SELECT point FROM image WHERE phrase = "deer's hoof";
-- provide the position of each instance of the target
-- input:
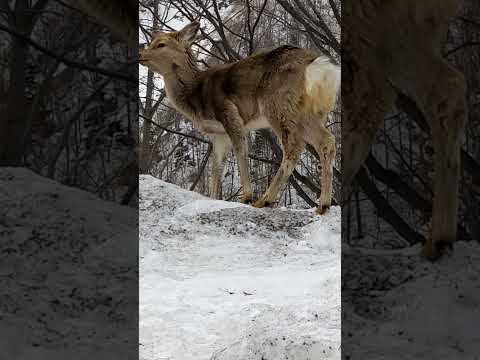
(433, 251)
(323, 209)
(247, 199)
(260, 203)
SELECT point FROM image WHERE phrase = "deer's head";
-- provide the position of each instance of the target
(168, 52)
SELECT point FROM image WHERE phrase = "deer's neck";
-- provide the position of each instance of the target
(179, 85)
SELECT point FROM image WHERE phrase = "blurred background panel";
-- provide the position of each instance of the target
(68, 88)
(68, 179)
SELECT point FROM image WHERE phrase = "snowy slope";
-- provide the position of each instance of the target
(225, 281)
(398, 306)
(67, 285)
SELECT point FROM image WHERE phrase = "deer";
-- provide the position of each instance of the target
(392, 48)
(289, 90)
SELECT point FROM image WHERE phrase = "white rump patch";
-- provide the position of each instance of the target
(322, 73)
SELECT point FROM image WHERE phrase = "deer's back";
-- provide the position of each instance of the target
(265, 75)
(384, 22)
(389, 38)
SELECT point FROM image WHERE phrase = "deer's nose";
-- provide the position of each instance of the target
(141, 56)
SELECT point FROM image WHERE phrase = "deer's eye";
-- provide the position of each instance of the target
(160, 45)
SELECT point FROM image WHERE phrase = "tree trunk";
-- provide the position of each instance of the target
(149, 110)
(13, 123)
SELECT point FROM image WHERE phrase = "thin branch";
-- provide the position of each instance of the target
(459, 47)
(173, 131)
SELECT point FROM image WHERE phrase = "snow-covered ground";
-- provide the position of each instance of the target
(225, 281)
(219, 281)
(68, 274)
(396, 305)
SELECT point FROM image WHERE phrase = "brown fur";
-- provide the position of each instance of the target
(393, 46)
(265, 90)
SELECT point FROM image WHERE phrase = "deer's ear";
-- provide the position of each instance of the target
(189, 32)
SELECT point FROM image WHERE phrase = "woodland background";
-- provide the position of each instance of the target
(171, 149)
(391, 204)
(70, 99)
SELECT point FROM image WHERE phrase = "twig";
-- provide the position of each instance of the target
(173, 131)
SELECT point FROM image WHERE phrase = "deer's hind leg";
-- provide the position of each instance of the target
(442, 99)
(317, 135)
(291, 139)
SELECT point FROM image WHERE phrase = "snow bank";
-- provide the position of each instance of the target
(225, 281)
(397, 305)
(50, 308)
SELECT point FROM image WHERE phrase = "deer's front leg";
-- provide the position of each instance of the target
(324, 143)
(233, 124)
(292, 146)
(221, 146)
(442, 100)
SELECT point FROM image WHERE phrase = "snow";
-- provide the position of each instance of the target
(67, 284)
(218, 281)
(397, 305)
(225, 281)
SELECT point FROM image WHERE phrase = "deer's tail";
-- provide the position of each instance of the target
(322, 84)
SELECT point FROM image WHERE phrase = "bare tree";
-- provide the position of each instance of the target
(70, 106)
(231, 30)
